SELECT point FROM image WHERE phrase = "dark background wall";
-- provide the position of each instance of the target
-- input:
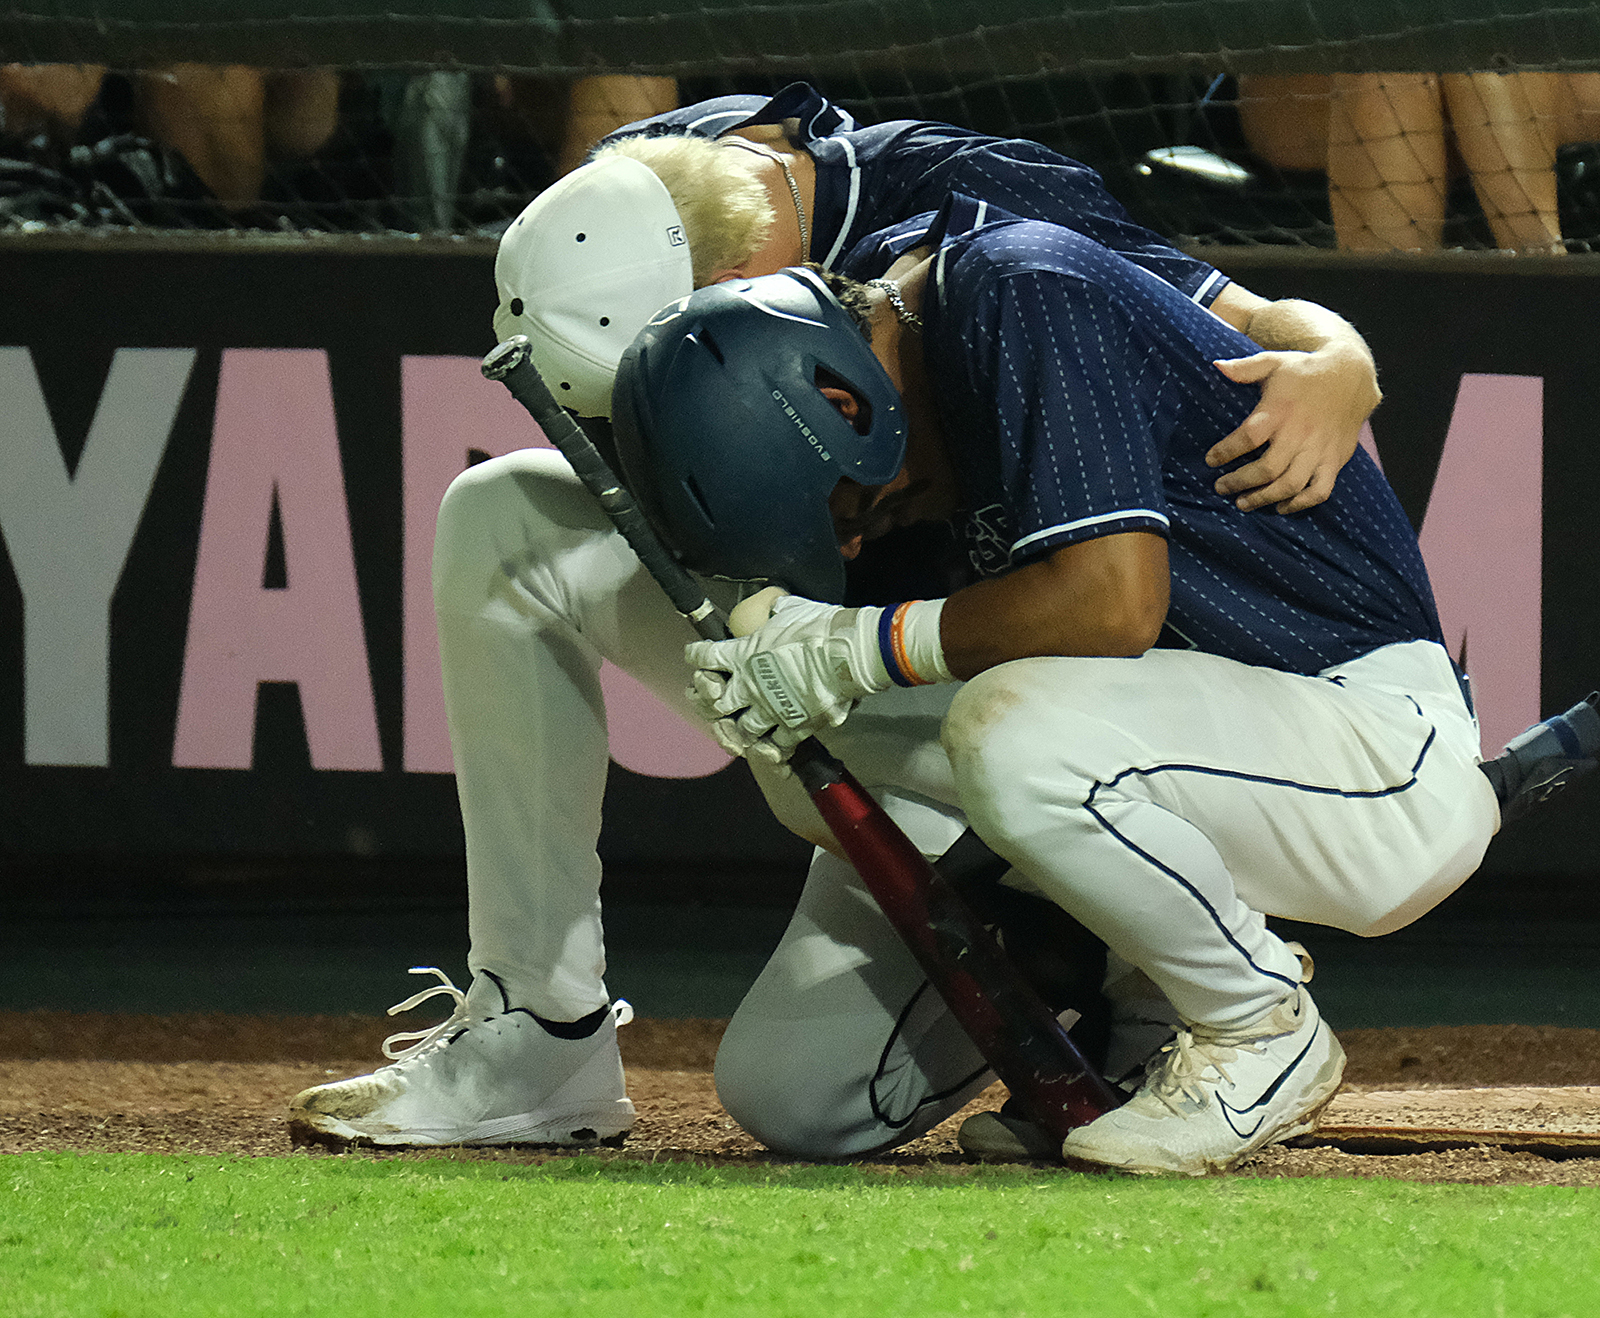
(138, 885)
(72, 311)
(138, 815)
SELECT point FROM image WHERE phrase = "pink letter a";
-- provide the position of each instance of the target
(1481, 537)
(275, 434)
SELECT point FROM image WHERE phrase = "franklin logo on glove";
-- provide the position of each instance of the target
(802, 669)
(768, 673)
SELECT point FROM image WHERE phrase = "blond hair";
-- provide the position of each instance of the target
(726, 212)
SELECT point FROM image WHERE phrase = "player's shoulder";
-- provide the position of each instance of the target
(973, 145)
(1033, 272)
(1012, 247)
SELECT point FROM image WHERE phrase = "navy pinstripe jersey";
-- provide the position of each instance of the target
(1078, 397)
(870, 178)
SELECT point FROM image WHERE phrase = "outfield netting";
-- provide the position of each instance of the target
(1366, 123)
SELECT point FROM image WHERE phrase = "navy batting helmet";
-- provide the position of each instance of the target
(729, 445)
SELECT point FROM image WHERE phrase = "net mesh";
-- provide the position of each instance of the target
(1215, 121)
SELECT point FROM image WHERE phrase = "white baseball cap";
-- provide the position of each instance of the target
(582, 269)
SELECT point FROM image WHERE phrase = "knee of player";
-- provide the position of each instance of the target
(770, 1091)
(980, 711)
(469, 497)
(491, 505)
(991, 732)
(461, 537)
(474, 492)
(1022, 737)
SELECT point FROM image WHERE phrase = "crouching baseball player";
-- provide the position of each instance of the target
(533, 588)
(1174, 717)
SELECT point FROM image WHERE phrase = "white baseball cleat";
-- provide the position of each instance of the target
(1218, 1095)
(490, 1074)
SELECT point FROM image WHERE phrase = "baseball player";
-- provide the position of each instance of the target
(533, 588)
(1173, 717)
(593, 256)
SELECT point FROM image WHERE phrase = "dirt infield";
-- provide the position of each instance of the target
(1486, 1104)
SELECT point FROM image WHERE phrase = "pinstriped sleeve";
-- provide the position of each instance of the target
(1076, 402)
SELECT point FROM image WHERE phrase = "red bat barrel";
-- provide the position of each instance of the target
(1011, 1025)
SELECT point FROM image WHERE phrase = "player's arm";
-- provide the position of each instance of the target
(799, 669)
(1316, 374)
(1106, 596)
(1318, 385)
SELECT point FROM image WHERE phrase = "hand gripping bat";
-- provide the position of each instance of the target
(1012, 1027)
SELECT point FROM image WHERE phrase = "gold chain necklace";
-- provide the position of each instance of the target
(788, 177)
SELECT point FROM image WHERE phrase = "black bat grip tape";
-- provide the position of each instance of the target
(512, 364)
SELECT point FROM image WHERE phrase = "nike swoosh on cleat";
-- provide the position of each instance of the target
(1230, 1112)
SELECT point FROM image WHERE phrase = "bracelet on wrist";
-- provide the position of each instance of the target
(908, 643)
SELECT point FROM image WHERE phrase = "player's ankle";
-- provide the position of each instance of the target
(582, 1028)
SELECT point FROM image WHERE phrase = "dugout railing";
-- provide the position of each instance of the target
(717, 37)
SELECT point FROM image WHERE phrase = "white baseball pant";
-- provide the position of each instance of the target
(1167, 802)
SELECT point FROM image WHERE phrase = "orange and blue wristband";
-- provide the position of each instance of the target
(892, 646)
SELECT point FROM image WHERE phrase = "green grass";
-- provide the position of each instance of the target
(101, 1235)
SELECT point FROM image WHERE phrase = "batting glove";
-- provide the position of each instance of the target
(805, 669)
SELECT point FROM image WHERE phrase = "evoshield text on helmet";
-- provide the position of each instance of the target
(727, 441)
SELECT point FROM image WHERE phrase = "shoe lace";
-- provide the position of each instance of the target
(1179, 1071)
(422, 1040)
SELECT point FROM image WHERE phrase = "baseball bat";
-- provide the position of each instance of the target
(1009, 1023)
